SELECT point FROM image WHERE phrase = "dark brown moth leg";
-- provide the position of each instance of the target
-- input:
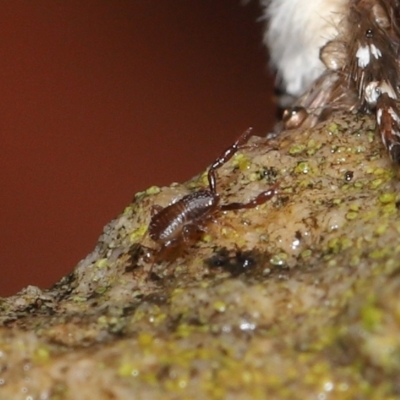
(388, 120)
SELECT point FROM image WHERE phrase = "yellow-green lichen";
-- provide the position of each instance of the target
(359, 149)
(302, 168)
(145, 339)
(378, 253)
(101, 289)
(386, 198)
(297, 149)
(79, 299)
(102, 263)
(279, 259)
(153, 190)
(358, 185)
(255, 176)
(306, 253)
(41, 355)
(219, 306)
(138, 234)
(352, 215)
(371, 316)
(241, 161)
(333, 128)
(338, 244)
(128, 369)
(376, 183)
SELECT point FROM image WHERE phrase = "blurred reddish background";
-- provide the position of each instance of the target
(101, 99)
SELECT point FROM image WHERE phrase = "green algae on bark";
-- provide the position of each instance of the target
(294, 299)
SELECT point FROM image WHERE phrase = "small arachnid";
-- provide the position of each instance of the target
(337, 55)
(181, 222)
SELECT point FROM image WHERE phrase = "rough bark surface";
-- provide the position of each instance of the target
(297, 298)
